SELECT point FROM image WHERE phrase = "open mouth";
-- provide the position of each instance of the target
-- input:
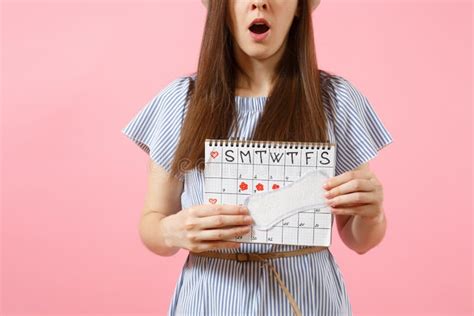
(259, 28)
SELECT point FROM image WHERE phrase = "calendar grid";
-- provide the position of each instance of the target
(236, 169)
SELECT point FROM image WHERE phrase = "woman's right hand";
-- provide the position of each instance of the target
(205, 227)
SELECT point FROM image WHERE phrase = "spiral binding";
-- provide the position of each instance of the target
(269, 144)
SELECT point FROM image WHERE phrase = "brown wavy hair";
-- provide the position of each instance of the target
(293, 110)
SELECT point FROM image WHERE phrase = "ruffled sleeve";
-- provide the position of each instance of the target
(156, 127)
(359, 132)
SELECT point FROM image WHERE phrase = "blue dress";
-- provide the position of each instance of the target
(211, 286)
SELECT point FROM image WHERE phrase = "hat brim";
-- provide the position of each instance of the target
(314, 3)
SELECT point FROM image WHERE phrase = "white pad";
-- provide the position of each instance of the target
(267, 208)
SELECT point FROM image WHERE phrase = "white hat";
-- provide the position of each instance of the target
(314, 3)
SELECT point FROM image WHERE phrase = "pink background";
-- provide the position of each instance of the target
(73, 73)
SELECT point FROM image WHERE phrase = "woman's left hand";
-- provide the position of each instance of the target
(355, 192)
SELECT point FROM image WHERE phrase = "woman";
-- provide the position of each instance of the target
(256, 79)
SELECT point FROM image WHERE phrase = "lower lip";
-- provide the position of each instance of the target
(259, 37)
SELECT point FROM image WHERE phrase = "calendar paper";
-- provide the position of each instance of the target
(250, 173)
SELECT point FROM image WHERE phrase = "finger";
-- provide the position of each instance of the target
(222, 234)
(345, 177)
(358, 198)
(345, 211)
(222, 221)
(355, 185)
(204, 210)
(364, 210)
(212, 245)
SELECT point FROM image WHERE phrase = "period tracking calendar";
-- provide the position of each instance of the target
(281, 184)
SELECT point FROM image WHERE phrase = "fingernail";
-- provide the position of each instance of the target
(327, 194)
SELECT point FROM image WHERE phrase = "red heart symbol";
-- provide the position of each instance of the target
(213, 201)
(214, 154)
(275, 186)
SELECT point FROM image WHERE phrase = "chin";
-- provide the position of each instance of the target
(261, 52)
